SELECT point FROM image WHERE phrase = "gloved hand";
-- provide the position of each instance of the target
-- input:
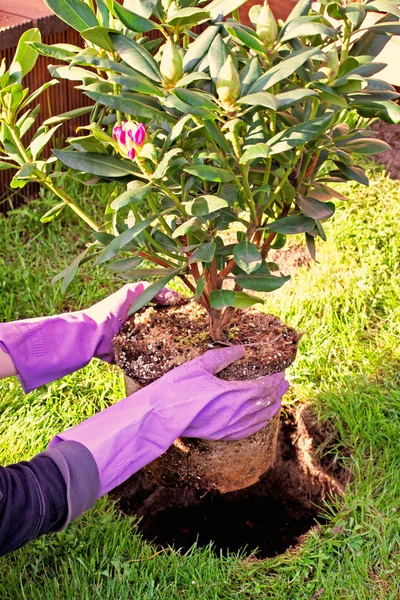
(48, 348)
(188, 401)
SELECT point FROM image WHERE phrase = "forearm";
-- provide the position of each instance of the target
(45, 494)
(7, 367)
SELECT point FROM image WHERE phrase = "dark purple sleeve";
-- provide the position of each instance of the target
(46, 493)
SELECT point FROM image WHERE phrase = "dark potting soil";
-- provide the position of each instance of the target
(270, 516)
(155, 340)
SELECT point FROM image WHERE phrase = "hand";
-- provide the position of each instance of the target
(188, 401)
(48, 348)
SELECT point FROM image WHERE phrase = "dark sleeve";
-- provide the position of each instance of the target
(46, 493)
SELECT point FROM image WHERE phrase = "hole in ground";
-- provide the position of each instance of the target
(272, 515)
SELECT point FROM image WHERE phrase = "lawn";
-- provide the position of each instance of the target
(347, 368)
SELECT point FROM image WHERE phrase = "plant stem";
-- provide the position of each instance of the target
(249, 197)
(63, 196)
(173, 197)
(346, 41)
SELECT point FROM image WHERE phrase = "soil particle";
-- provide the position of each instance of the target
(155, 340)
(271, 516)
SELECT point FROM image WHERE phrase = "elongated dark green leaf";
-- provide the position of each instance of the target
(190, 78)
(71, 114)
(204, 205)
(284, 69)
(5, 165)
(247, 256)
(245, 35)
(366, 146)
(119, 266)
(99, 36)
(188, 16)
(32, 97)
(291, 225)
(137, 192)
(221, 298)
(193, 98)
(384, 6)
(221, 8)
(96, 164)
(217, 55)
(165, 163)
(144, 8)
(307, 30)
(40, 141)
(310, 207)
(298, 134)
(201, 284)
(385, 28)
(210, 173)
(204, 253)
(52, 51)
(131, 104)
(355, 12)
(74, 12)
(123, 239)
(386, 110)
(329, 95)
(253, 152)
(25, 55)
(301, 9)
(260, 99)
(353, 173)
(137, 83)
(261, 280)
(71, 73)
(199, 48)
(148, 294)
(287, 99)
(144, 273)
(136, 56)
(370, 44)
(249, 75)
(133, 21)
(190, 225)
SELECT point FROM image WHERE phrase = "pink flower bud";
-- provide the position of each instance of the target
(140, 134)
(131, 153)
(115, 132)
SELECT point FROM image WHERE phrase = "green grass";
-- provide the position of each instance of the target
(347, 367)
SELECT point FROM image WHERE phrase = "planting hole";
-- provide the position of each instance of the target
(270, 516)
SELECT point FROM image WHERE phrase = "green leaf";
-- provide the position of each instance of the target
(204, 205)
(39, 142)
(137, 192)
(96, 164)
(99, 36)
(199, 48)
(355, 12)
(370, 44)
(210, 173)
(5, 165)
(301, 8)
(71, 73)
(204, 253)
(69, 272)
(130, 104)
(217, 55)
(136, 56)
(53, 212)
(24, 55)
(163, 165)
(261, 280)
(190, 78)
(366, 146)
(257, 151)
(384, 6)
(246, 36)
(385, 28)
(188, 17)
(148, 294)
(52, 51)
(221, 8)
(143, 273)
(190, 225)
(144, 8)
(221, 298)
(313, 208)
(260, 99)
(133, 21)
(247, 256)
(353, 173)
(119, 266)
(283, 69)
(137, 83)
(287, 99)
(193, 98)
(123, 239)
(298, 134)
(291, 225)
(74, 12)
(308, 30)
(201, 284)
(71, 114)
(329, 95)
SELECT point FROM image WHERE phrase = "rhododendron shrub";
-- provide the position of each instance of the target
(237, 128)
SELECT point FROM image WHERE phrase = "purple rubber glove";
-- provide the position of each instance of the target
(188, 401)
(48, 348)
